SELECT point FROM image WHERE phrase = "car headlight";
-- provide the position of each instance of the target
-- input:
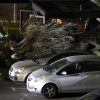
(43, 76)
(20, 70)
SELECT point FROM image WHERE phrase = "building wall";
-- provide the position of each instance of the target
(7, 10)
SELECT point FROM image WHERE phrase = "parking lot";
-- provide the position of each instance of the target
(17, 91)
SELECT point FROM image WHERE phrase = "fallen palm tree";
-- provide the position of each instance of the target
(45, 39)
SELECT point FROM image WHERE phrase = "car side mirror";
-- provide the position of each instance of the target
(64, 73)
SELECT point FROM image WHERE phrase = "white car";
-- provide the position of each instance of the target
(21, 69)
(72, 74)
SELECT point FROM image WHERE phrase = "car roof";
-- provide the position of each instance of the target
(66, 54)
(83, 58)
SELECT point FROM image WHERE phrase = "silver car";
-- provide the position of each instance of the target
(21, 69)
(70, 74)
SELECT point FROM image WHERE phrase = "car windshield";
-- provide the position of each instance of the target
(55, 65)
(41, 60)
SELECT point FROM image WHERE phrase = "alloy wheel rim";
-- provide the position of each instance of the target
(50, 91)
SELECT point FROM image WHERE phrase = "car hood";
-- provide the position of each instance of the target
(38, 72)
(23, 63)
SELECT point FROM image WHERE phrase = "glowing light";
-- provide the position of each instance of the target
(57, 21)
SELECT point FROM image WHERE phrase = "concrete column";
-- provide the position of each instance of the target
(14, 18)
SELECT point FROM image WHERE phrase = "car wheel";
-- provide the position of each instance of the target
(49, 91)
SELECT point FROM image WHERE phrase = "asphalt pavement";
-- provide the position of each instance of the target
(17, 91)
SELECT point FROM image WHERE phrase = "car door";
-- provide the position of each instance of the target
(71, 78)
(92, 71)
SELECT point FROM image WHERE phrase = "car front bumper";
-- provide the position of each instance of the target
(35, 87)
(12, 75)
(13, 78)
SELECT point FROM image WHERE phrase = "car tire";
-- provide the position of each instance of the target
(50, 91)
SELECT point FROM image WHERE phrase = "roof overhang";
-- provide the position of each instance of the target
(68, 8)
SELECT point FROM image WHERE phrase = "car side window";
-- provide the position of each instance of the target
(57, 57)
(62, 55)
(92, 66)
(71, 69)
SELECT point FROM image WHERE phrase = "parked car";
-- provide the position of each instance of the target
(21, 69)
(94, 95)
(72, 74)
